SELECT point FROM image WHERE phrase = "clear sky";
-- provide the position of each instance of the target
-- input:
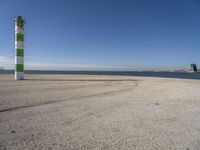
(103, 34)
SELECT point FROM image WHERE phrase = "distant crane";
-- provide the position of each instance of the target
(1, 68)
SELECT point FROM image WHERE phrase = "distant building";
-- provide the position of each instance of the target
(194, 67)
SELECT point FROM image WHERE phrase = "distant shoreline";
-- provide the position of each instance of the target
(164, 74)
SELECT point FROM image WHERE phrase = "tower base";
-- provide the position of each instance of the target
(19, 75)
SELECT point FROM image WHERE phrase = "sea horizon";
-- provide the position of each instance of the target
(163, 74)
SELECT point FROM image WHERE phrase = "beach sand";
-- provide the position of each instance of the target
(79, 112)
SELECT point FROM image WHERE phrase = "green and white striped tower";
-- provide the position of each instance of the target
(19, 48)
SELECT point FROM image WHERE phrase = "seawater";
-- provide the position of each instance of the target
(182, 75)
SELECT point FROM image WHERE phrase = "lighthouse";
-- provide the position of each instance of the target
(19, 48)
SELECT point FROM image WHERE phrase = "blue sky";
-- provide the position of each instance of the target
(103, 34)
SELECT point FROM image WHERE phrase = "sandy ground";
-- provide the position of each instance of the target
(74, 112)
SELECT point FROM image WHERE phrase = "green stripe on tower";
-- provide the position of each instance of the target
(19, 67)
(20, 22)
(19, 37)
(19, 52)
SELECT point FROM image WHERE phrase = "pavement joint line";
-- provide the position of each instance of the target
(53, 84)
(64, 100)
(76, 87)
(66, 81)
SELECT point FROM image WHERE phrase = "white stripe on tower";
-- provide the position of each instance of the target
(19, 44)
(19, 60)
(19, 48)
